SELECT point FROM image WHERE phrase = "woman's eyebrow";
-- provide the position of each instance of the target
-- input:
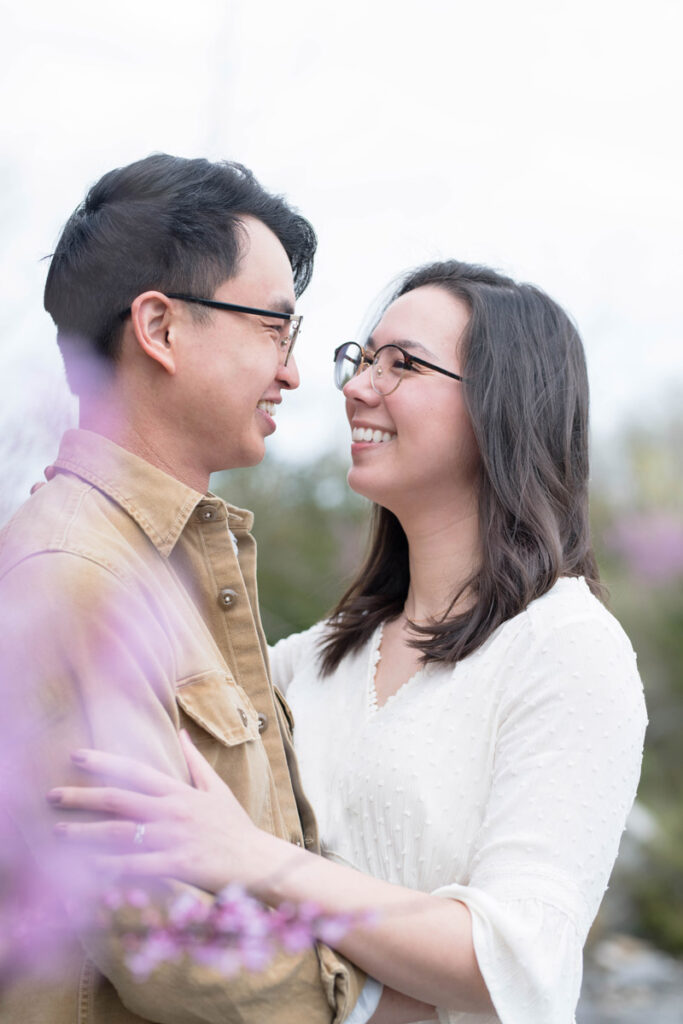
(406, 343)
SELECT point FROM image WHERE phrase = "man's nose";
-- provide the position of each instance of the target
(288, 374)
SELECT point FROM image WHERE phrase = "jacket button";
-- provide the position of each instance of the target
(206, 513)
(243, 716)
(308, 839)
(262, 721)
(226, 596)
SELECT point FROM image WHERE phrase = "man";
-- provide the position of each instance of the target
(127, 591)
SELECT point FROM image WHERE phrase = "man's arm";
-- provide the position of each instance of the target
(86, 663)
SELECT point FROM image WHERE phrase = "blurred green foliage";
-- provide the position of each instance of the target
(311, 530)
(658, 889)
(638, 530)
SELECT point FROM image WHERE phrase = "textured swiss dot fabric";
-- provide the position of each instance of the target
(503, 782)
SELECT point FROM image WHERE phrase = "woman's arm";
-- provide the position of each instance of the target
(396, 1008)
(568, 747)
(287, 654)
(420, 945)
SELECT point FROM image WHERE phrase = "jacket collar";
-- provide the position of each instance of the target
(159, 504)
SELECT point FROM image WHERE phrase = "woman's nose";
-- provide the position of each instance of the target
(360, 387)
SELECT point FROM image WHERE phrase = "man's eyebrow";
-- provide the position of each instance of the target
(280, 305)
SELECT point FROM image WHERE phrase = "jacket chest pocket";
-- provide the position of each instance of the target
(223, 725)
(213, 701)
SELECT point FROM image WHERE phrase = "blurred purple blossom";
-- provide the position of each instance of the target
(41, 913)
(651, 545)
(49, 891)
(233, 932)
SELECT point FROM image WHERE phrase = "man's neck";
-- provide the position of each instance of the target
(143, 439)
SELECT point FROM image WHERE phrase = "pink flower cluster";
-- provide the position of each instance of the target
(230, 933)
(650, 544)
(40, 913)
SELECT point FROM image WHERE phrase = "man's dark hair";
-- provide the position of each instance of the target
(164, 223)
(526, 392)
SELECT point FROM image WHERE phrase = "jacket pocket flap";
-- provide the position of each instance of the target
(212, 701)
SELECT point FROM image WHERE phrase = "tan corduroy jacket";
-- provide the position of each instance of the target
(128, 612)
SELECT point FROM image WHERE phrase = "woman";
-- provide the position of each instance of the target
(470, 718)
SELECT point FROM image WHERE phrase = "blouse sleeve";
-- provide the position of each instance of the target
(289, 654)
(566, 766)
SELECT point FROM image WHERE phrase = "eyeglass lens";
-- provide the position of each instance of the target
(287, 342)
(386, 369)
(347, 360)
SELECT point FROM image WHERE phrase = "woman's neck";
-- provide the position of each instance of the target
(443, 554)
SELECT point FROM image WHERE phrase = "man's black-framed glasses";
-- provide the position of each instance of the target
(387, 366)
(287, 341)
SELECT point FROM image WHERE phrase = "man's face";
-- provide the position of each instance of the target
(230, 368)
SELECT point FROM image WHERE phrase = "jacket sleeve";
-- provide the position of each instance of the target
(84, 661)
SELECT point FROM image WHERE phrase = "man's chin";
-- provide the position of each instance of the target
(243, 459)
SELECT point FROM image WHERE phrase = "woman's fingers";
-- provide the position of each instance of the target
(118, 839)
(140, 864)
(121, 848)
(152, 823)
(114, 835)
(120, 802)
(126, 772)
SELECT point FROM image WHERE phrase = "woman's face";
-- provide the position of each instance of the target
(425, 454)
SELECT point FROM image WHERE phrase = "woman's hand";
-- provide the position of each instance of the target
(158, 825)
(48, 472)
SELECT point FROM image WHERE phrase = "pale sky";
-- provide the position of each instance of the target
(540, 137)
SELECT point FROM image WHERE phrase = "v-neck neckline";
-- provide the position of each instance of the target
(374, 658)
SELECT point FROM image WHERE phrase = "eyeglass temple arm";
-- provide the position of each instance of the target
(231, 306)
(431, 366)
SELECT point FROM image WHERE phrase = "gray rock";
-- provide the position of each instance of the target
(627, 981)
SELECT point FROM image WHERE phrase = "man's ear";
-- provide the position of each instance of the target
(151, 316)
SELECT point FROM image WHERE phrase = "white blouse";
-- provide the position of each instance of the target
(503, 782)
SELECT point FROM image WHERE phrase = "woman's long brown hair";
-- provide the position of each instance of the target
(526, 392)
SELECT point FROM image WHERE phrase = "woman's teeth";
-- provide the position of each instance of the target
(268, 407)
(367, 434)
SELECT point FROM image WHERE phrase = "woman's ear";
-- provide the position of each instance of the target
(151, 316)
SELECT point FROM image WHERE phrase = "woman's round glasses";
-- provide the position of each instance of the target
(387, 366)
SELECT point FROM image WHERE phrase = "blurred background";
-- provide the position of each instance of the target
(542, 138)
